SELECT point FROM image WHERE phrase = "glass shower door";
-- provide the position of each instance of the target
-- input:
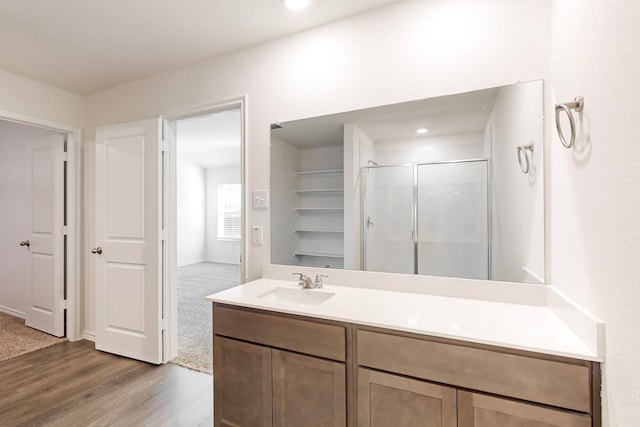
(453, 222)
(388, 219)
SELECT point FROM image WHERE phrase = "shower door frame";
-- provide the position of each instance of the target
(414, 210)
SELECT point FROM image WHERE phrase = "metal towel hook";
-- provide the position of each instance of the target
(577, 105)
(523, 157)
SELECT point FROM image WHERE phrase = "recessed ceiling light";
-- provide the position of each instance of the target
(422, 130)
(296, 4)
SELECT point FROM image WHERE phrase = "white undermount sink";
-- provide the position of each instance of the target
(299, 296)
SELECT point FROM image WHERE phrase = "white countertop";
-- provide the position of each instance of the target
(532, 327)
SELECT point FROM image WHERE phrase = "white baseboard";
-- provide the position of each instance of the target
(90, 336)
(222, 261)
(191, 262)
(12, 312)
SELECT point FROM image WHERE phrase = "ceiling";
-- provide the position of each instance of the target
(445, 115)
(85, 46)
(213, 140)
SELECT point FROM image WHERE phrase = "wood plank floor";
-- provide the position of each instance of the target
(72, 384)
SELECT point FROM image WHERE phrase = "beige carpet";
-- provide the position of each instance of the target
(17, 339)
(195, 337)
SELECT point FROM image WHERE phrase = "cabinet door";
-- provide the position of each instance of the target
(308, 391)
(242, 387)
(391, 400)
(478, 410)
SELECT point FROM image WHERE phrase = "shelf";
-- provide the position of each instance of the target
(318, 254)
(315, 230)
(324, 190)
(319, 172)
(328, 210)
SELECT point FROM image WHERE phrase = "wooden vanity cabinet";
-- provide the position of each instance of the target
(426, 377)
(272, 369)
(278, 370)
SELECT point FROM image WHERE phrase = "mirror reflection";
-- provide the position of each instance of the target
(432, 187)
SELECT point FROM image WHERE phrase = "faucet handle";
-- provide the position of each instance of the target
(318, 281)
(303, 280)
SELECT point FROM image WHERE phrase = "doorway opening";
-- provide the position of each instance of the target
(208, 225)
(38, 223)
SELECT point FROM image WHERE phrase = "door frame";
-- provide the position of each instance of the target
(170, 292)
(73, 303)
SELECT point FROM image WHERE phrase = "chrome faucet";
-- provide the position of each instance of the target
(304, 281)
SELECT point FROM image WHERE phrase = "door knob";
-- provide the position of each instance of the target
(97, 250)
(25, 243)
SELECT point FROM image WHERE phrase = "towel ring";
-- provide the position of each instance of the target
(577, 105)
(523, 157)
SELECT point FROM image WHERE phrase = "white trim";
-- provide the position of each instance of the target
(12, 312)
(170, 275)
(212, 260)
(191, 262)
(37, 122)
(74, 258)
(89, 336)
(221, 261)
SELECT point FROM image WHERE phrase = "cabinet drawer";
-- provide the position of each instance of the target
(552, 382)
(308, 337)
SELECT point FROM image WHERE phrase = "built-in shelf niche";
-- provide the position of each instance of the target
(319, 228)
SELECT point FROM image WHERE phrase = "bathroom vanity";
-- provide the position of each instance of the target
(371, 356)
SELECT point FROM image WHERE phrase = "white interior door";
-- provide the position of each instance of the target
(128, 256)
(45, 310)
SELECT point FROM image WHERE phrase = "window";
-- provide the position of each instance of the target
(229, 210)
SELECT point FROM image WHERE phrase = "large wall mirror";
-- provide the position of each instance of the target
(448, 186)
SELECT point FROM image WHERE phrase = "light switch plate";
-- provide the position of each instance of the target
(260, 199)
(256, 234)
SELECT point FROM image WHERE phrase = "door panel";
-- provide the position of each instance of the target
(308, 391)
(128, 211)
(388, 219)
(242, 387)
(45, 309)
(386, 400)
(453, 221)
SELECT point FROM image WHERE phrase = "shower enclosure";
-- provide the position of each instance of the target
(427, 218)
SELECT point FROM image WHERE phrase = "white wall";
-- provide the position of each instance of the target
(431, 149)
(409, 50)
(358, 150)
(285, 160)
(24, 96)
(191, 205)
(15, 203)
(593, 193)
(14, 226)
(517, 198)
(224, 251)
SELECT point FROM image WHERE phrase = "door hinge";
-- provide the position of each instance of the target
(64, 230)
(65, 304)
(65, 156)
(164, 324)
(163, 235)
(164, 145)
